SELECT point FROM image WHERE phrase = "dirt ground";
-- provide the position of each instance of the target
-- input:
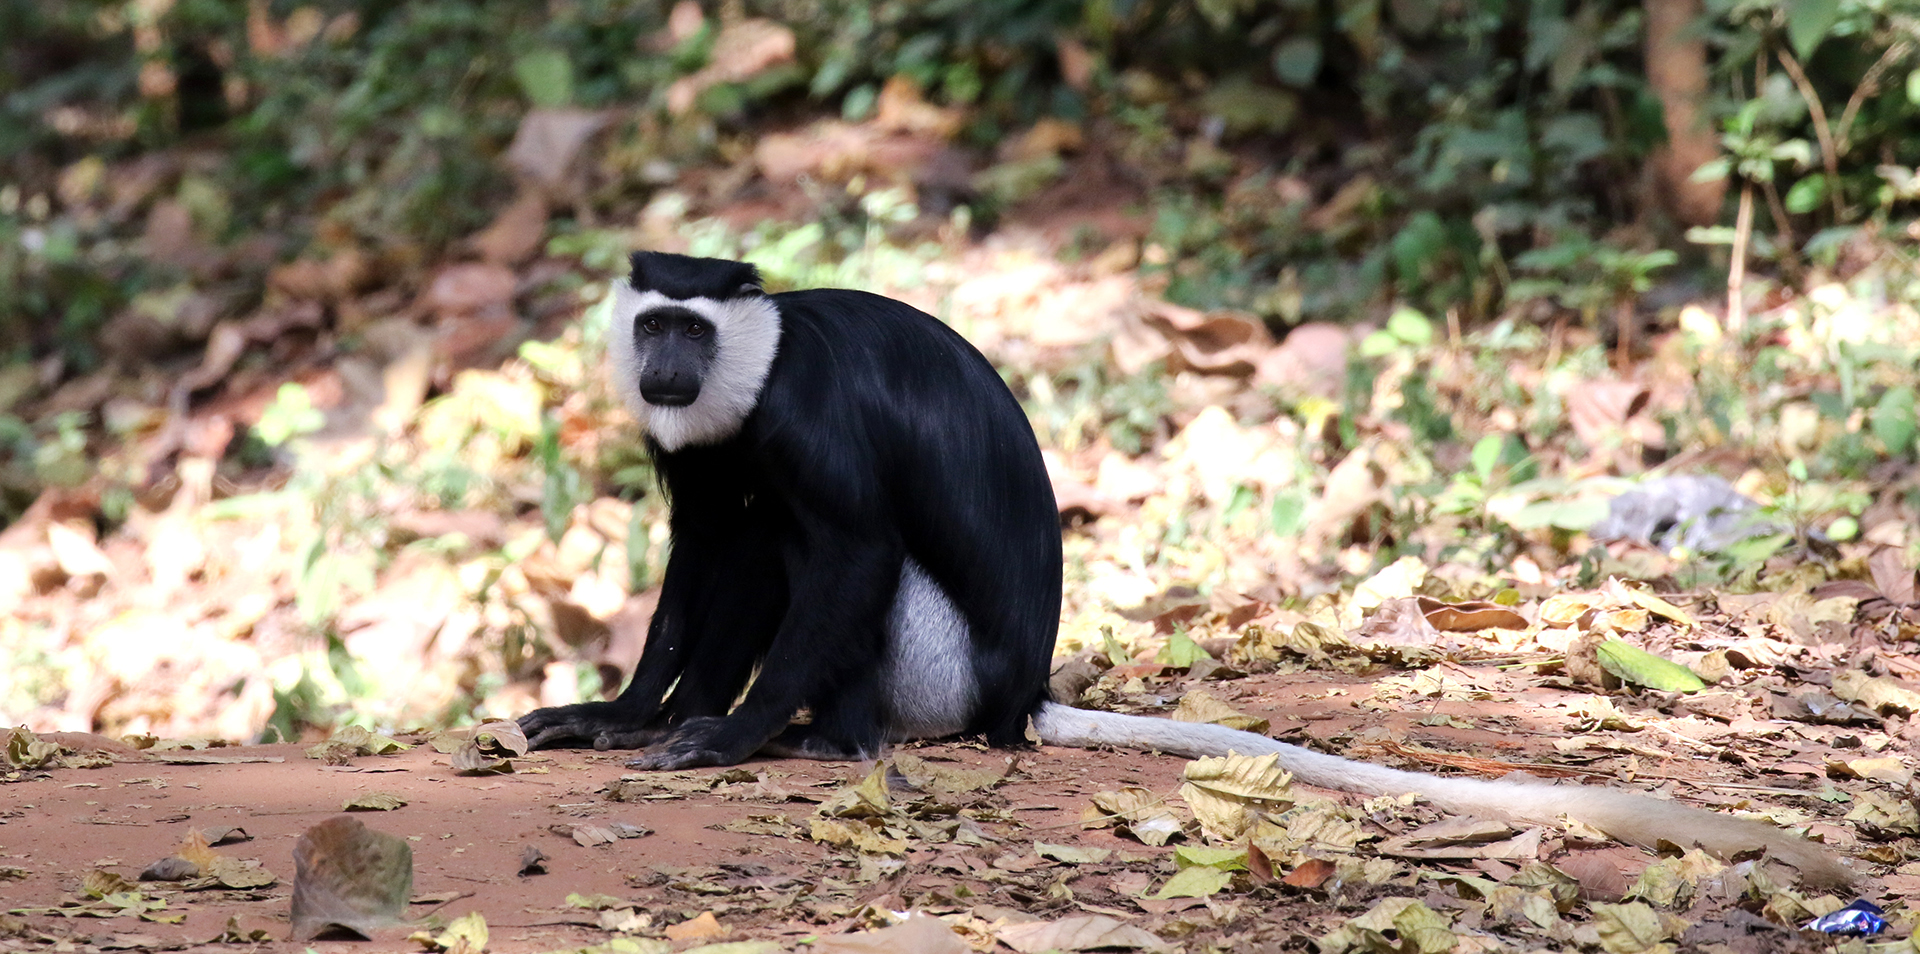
(468, 836)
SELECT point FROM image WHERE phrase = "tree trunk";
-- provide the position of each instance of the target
(1677, 71)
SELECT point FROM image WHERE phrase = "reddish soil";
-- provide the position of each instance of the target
(468, 834)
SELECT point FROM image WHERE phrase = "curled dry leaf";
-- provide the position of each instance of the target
(349, 877)
(500, 737)
(1880, 694)
(1225, 792)
(533, 861)
(1134, 810)
(866, 799)
(1198, 705)
(468, 759)
(170, 868)
(1470, 616)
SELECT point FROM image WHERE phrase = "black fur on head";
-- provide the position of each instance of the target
(682, 277)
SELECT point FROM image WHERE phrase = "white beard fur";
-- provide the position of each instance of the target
(747, 336)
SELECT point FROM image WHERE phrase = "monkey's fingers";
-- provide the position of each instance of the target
(589, 723)
(696, 742)
(667, 759)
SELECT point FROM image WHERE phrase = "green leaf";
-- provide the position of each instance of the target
(1289, 515)
(1201, 856)
(1296, 61)
(1913, 87)
(1195, 882)
(1808, 22)
(1486, 455)
(1566, 515)
(1893, 420)
(1713, 170)
(1410, 326)
(1642, 668)
(546, 76)
(1378, 344)
(1181, 651)
(1807, 194)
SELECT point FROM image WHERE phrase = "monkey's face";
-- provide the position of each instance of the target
(691, 368)
(676, 348)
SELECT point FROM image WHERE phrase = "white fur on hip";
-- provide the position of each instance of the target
(746, 338)
(929, 682)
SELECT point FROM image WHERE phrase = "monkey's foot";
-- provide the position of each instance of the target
(602, 725)
(804, 742)
(696, 742)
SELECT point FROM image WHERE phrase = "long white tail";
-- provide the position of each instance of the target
(1631, 818)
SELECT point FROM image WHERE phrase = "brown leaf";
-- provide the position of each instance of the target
(468, 759)
(516, 233)
(1312, 359)
(1605, 874)
(171, 868)
(1220, 342)
(588, 836)
(548, 142)
(1892, 575)
(1312, 873)
(349, 877)
(501, 737)
(902, 109)
(1087, 932)
(532, 861)
(1471, 616)
(918, 934)
(704, 927)
(743, 50)
(1606, 414)
(374, 802)
(1397, 622)
(469, 288)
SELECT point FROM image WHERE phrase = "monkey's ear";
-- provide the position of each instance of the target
(750, 288)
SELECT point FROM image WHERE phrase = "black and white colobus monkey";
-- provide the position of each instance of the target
(860, 512)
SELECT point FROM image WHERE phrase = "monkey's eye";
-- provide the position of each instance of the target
(695, 329)
(651, 326)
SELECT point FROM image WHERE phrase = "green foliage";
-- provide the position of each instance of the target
(290, 415)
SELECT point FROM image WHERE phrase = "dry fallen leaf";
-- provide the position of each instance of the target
(466, 935)
(1085, 933)
(704, 927)
(918, 934)
(349, 877)
(1197, 705)
(374, 802)
(1225, 792)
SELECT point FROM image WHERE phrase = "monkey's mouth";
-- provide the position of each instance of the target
(665, 397)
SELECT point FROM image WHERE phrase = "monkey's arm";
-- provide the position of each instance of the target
(623, 723)
(842, 578)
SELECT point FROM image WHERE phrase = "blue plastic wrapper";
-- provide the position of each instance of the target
(1855, 920)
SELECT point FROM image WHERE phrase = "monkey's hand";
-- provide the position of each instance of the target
(604, 725)
(694, 743)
